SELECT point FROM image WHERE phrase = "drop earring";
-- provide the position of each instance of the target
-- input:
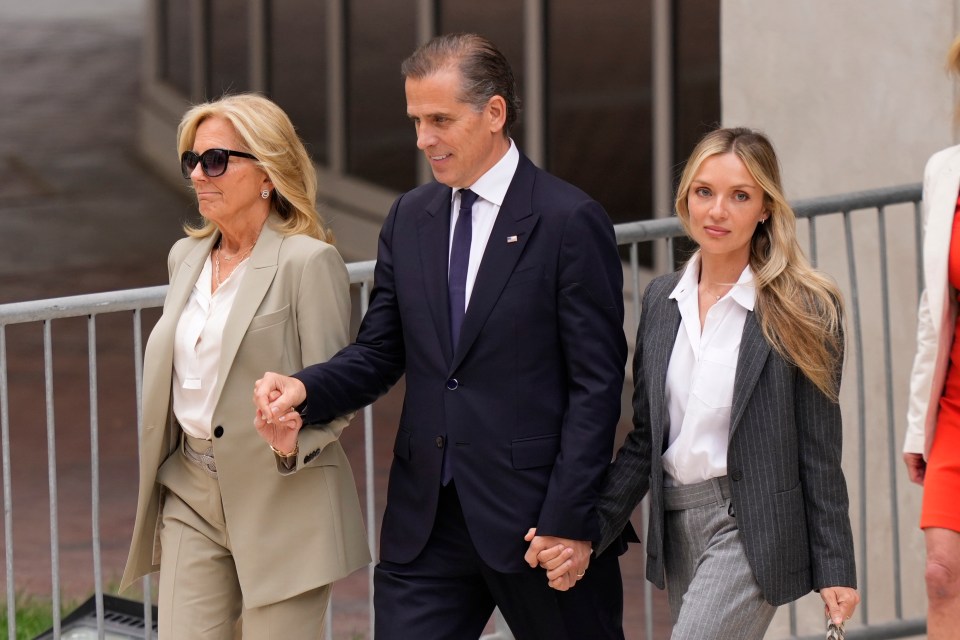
(264, 194)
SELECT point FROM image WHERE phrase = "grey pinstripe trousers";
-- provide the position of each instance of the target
(712, 591)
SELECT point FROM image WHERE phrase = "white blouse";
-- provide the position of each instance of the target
(700, 377)
(196, 349)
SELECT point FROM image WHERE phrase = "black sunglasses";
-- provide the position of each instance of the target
(213, 162)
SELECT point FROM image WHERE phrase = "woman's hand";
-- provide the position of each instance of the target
(839, 603)
(280, 434)
(916, 467)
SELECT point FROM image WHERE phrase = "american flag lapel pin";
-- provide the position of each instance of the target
(511, 239)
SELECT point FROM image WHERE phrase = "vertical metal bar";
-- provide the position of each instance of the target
(645, 503)
(259, 24)
(328, 620)
(428, 25)
(812, 231)
(337, 85)
(52, 477)
(535, 81)
(138, 384)
(95, 471)
(861, 417)
(199, 53)
(812, 240)
(635, 280)
(892, 449)
(662, 124)
(369, 473)
(7, 487)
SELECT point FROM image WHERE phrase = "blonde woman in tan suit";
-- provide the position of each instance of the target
(233, 526)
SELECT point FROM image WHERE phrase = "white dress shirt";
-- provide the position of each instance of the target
(196, 349)
(492, 188)
(700, 377)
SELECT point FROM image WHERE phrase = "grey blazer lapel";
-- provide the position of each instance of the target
(754, 350)
(657, 352)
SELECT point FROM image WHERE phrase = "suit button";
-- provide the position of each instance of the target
(452, 384)
(218, 431)
(439, 442)
(737, 475)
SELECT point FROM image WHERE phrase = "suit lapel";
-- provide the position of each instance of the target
(936, 244)
(158, 378)
(434, 238)
(666, 324)
(516, 218)
(754, 350)
(256, 281)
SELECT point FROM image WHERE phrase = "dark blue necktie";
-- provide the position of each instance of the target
(457, 284)
(459, 260)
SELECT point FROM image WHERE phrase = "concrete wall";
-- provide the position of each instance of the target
(854, 96)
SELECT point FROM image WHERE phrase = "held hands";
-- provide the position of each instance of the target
(565, 560)
(276, 420)
(839, 603)
(916, 467)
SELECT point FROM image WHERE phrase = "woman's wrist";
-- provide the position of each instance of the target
(282, 454)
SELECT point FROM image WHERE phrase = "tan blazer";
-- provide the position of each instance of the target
(938, 302)
(290, 531)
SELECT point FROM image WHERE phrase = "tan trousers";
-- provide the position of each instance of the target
(200, 597)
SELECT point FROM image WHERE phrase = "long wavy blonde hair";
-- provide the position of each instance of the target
(799, 309)
(267, 133)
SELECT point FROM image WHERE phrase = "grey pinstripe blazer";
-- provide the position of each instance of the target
(783, 461)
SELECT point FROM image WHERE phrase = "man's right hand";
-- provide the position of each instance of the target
(291, 393)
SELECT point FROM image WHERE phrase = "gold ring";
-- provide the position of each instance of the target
(580, 575)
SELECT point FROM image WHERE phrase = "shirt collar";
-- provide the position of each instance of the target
(743, 292)
(492, 186)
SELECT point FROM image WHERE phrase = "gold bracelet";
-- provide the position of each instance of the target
(286, 456)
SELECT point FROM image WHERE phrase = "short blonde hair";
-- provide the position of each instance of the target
(266, 132)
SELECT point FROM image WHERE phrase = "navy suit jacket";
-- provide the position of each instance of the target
(529, 399)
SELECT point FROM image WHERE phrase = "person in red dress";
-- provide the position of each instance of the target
(932, 444)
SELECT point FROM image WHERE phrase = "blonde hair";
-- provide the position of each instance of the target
(953, 66)
(266, 132)
(799, 309)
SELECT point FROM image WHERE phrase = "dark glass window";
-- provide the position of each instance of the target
(381, 145)
(174, 35)
(502, 22)
(599, 132)
(228, 45)
(297, 68)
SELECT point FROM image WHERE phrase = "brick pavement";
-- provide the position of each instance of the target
(80, 213)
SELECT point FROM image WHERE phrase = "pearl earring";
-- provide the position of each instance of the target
(264, 194)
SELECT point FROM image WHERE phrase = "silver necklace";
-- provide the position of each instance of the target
(216, 261)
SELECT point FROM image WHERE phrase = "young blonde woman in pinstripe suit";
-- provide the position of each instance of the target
(737, 429)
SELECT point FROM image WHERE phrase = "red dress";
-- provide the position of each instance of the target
(941, 485)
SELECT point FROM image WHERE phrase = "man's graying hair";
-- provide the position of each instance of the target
(485, 71)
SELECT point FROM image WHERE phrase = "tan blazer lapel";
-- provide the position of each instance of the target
(256, 281)
(159, 377)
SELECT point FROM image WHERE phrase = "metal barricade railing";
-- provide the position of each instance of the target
(850, 220)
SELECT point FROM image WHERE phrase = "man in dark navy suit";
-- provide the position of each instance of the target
(498, 292)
